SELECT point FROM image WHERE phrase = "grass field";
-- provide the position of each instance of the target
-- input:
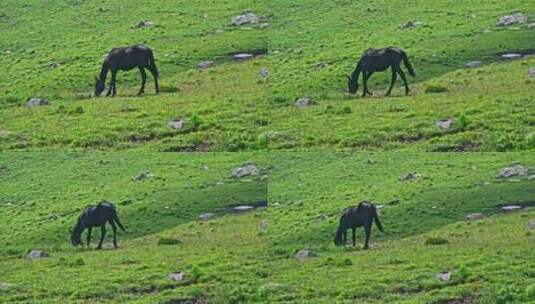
(220, 258)
(490, 260)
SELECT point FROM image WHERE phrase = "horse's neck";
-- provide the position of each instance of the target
(104, 70)
(356, 72)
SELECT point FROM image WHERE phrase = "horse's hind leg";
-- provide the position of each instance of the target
(114, 229)
(393, 81)
(155, 76)
(368, 230)
(402, 74)
(369, 76)
(102, 235)
(112, 84)
(88, 236)
(143, 80)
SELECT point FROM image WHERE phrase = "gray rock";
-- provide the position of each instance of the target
(246, 18)
(511, 56)
(473, 64)
(37, 102)
(304, 102)
(143, 23)
(53, 65)
(243, 208)
(176, 276)
(243, 57)
(205, 64)
(531, 25)
(176, 123)
(263, 225)
(411, 176)
(206, 216)
(321, 65)
(37, 254)
(531, 224)
(474, 216)
(531, 72)
(411, 24)
(143, 176)
(322, 217)
(444, 123)
(512, 19)
(304, 254)
(246, 170)
(516, 170)
(444, 276)
(264, 72)
(511, 208)
(4, 286)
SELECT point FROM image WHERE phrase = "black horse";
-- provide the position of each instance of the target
(125, 59)
(94, 216)
(378, 60)
(361, 216)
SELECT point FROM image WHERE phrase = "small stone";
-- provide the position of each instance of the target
(263, 225)
(512, 19)
(531, 224)
(302, 255)
(246, 18)
(511, 56)
(264, 72)
(303, 103)
(176, 276)
(511, 208)
(37, 102)
(516, 170)
(206, 216)
(143, 176)
(53, 65)
(531, 72)
(444, 276)
(322, 217)
(176, 123)
(410, 176)
(321, 65)
(473, 64)
(474, 216)
(242, 56)
(444, 123)
(246, 170)
(143, 23)
(531, 25)
(241, 209)
(37, 254)
(205, 64)
(4, 286)
(411, 24)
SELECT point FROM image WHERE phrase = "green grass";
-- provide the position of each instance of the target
(425, 228)
(496, 99)
(43, 193)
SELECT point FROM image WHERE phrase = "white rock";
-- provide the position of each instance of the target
(143, 176)
(410, 176)
(263, 225)
(473, 64)
(474, 216)
(512, 19)
(303, 103)
(206, 216)
(444, 123)
(246, 170)
(511, 56)
(176, 276)
(264, 72)
(244, 19)
(36, 102)
(516, 170)
(511, 208)
(244, 208)
(36, 254)
(444, 276)
(176, 123)
(242, 56)
(531, 72)
(302, 255)
(143, 23)
(205, 64)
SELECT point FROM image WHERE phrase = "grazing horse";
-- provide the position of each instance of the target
(125, 59)
(378, 60)
(361, 216)
(95, 216)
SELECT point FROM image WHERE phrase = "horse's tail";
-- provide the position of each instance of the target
(408, 64)
(152, 64)
(377, 221)
(116, 220)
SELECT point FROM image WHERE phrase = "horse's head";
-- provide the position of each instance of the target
(352, 85)
(75, 237)
(99, 86)
(338, 237)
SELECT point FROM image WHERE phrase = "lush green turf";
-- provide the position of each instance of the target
(492, 107)
(43, 193)
(490, 258)
(224, 106)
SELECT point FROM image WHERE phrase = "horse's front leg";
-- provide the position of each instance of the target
(364, 84)
(102, 235)
(368, 91)
(368, 229)
(354, 238)
(88, 236)
(112, 83)
(393, 81)
(143, 80)
(113, 79)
